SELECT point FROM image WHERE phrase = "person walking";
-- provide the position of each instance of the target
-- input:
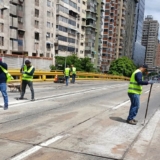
(3, 83)
(134, 92)
(27, 79)
(67, 74)
(73, 70)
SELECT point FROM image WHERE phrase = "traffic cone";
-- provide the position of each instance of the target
(56, 78)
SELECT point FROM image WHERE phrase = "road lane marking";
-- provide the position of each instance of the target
(120, 105)
(146, 91)
(66, 94)
(36, 148)
(50, 141)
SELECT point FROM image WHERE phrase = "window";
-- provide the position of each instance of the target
(78, 9)
(62, 38)
(71, 49)
(73, 23)
(81, 52)
(71, 40)
(20, 20)
(1, 13)
(37, 2)
(48, 14)
(63, 29)
(78, 1)
(1, 41)
(74, 5)
(62, 48)
(1, 27)
(37, 36)
(48, 24)
(48, 3)
(48, 35)
(84, 2)
(36, 13)
(20, 8)
(36, 24)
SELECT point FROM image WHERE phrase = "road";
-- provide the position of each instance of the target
(86, 120)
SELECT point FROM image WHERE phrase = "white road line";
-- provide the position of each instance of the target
(146, 91)
(36, 148)
(27, 153)
(69, 94)
(50, 141)
(118, 106)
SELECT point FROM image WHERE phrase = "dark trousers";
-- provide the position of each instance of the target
(67, 79)
(73, 78)
(135, 103)
(24, 85)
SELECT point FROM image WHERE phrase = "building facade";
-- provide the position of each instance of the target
(150, 40)
(138, 53)
(28, 27)
(157, 63)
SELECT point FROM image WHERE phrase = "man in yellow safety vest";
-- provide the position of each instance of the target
(67, 74)
(27, 79)
(73, 70)
(134, 92)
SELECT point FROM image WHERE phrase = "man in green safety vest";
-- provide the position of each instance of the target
(67, 74)
(27, 79)
(134, 92)
(73, 71)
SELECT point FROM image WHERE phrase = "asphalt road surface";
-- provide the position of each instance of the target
(84, 121)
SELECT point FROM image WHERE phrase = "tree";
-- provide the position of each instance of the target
(82, 64)
(122, 66)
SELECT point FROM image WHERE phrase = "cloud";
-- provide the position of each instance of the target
(152, 7)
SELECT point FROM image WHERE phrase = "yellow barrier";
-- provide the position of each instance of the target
(49, 76)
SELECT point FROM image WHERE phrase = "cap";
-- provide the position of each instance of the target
(145, 66)
(27, 62)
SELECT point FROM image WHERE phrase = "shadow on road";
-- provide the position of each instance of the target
(119, 119)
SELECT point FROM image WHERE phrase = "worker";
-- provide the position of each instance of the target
(3, 83)
(27, 79)
(134, 92)
(73, 71)
(67, 74)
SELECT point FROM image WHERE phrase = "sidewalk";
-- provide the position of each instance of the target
(147, 144)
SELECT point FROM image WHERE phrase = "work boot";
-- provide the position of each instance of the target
(32, 99)
(20, 98)
(135, 120)
(131, 122)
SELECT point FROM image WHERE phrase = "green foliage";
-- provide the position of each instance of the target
(81, 64)
(122, 66)
(52, 67)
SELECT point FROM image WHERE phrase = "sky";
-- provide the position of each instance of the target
(152, 7)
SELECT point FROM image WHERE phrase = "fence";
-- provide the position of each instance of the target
(40, 76)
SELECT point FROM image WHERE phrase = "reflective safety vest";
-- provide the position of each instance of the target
(134, 87)
(67, 71)
(26, 76)
(73, 70)
(8, 75)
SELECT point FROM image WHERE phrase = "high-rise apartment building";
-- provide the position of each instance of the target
(128, 37)
(150, 39)
(138, 53)
(93, 30)
(157, 63)
(68, 25)
(118, 30)
(28, 27)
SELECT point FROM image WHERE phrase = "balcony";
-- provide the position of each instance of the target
(20, 13)
(84, 23)
(90, 16)
(14, 1)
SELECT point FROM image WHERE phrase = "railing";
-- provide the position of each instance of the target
(41, 76)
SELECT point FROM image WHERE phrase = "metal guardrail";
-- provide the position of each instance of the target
(49, 76)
